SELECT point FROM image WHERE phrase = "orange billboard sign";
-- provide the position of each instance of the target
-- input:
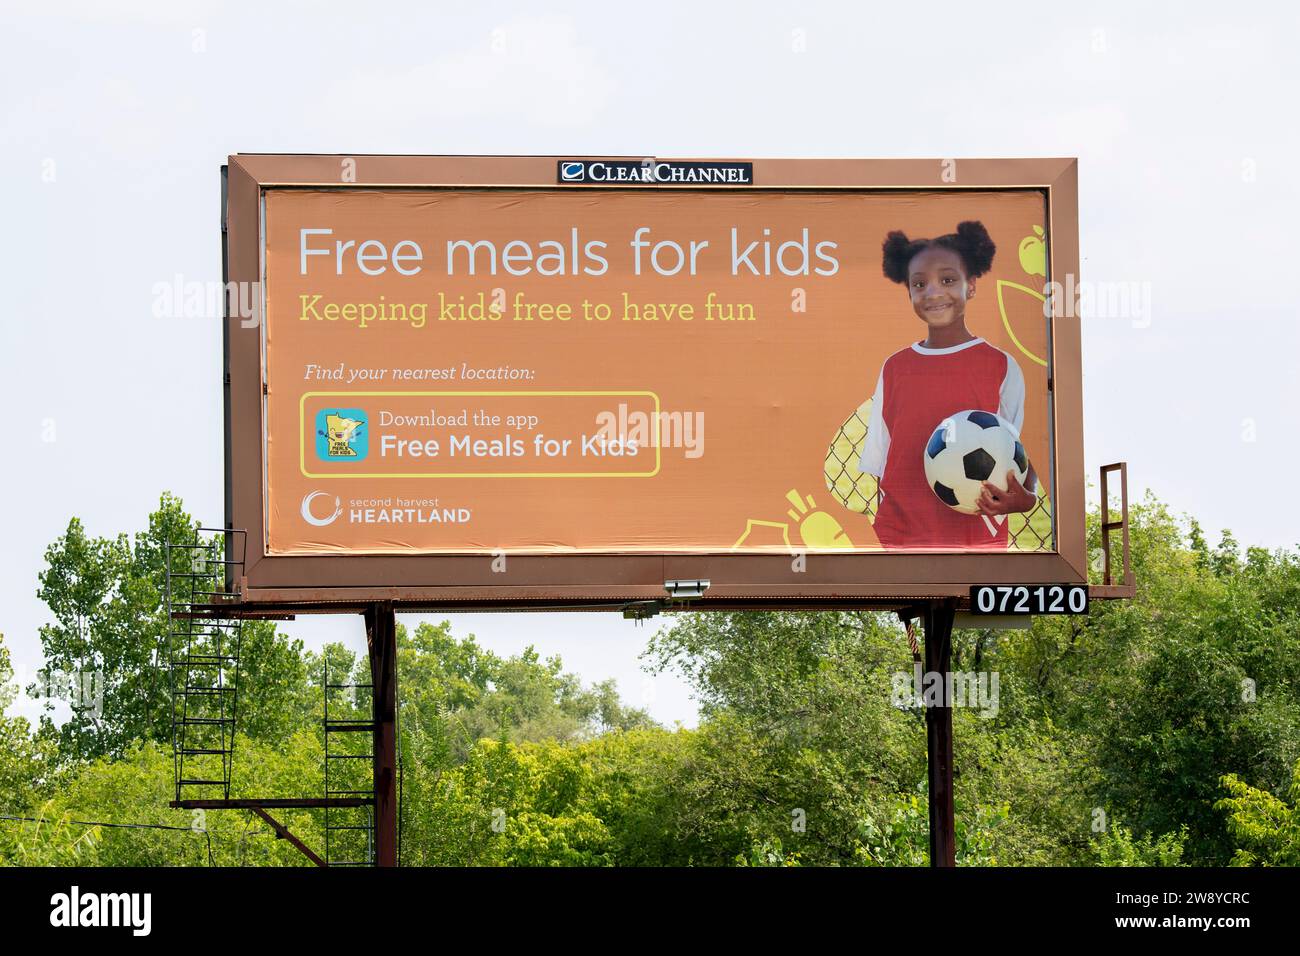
(478, 370)
(619, 373)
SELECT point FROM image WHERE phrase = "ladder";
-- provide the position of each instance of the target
(349, 726)
(202, 650)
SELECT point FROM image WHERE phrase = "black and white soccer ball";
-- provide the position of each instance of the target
(968, 449)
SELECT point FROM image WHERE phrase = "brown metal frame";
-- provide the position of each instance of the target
(282, 833)
(1127, 582)
(591, 580)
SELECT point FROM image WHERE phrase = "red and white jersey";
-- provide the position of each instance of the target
(918, 388)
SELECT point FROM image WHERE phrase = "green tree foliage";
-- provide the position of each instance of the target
(1200, 676)
(108, 624)
(1118, 847)
(457, 693)
(1144, 712)
(900, 835)
(28, 771)
(465, 712)
(1265, 827)
(511, 805)
(135, 788)
(1136, 710)
(49, 839)
(107, 598)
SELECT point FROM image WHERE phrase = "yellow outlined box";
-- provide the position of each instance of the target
(302, 435)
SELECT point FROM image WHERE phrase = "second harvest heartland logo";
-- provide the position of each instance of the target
(650, 172)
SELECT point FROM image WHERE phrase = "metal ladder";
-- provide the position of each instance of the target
(349, 766)
(203, 659)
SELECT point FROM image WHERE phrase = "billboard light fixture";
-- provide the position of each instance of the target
(683, 590)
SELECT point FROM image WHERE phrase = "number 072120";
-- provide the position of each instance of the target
(1029, 599)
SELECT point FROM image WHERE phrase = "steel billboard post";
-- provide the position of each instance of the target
(381, 636)
(938, 617)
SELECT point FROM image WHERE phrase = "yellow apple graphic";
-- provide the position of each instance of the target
(1033, 253)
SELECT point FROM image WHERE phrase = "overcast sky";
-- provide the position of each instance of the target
(117, 117)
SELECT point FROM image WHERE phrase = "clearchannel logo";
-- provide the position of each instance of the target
(652, 172)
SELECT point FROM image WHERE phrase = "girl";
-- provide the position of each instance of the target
(919, 386)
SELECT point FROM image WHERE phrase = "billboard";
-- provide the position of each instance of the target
(798, 379)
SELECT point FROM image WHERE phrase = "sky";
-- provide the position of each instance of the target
(117, 118)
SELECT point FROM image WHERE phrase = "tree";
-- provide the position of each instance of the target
(1132, 713)
(463, 712)
(1142, 712)
(455, 693)
(106, 631)
(1118, 847)
(107, 643)
(509, 805)
(1265, 827)
(27, 763)
(48, 839)
(128, 795)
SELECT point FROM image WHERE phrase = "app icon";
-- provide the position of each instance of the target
(342, 434)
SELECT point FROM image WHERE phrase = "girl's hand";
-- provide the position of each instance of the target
(1015, 500)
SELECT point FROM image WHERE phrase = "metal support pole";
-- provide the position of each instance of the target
(938, 618)
(381, 635)
(282, 833)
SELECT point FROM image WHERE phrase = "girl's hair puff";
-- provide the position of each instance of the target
(971, 241)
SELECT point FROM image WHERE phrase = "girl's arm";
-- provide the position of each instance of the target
(876, 449)
(1011, 395)
(1017, 498)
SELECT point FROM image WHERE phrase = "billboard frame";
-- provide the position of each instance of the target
(610, 580)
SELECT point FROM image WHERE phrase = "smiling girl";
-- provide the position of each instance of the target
(919, 386)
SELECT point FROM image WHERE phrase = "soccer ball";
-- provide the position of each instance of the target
(968, 449)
